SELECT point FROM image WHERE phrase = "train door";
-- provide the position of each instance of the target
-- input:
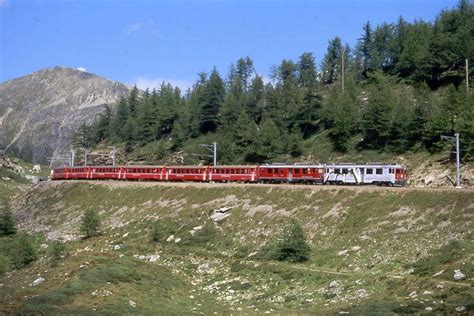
(290, 174)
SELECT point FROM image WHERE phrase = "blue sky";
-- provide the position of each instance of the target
(145, 42)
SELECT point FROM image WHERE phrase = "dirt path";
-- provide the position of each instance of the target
(392, 276)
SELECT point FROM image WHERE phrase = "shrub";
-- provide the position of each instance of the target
(159, 231)
(7, 224)
(22, 251)
(58, 250)
(90, 225)
(4, 265)
(293, 246)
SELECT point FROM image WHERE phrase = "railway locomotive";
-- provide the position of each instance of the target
(327, 174)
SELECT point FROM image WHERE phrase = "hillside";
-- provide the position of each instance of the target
(38, 112)
(373, 250)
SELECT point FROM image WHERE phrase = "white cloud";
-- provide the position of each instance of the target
(132, 28)
(150, 83)
(3, 2)
(78, 68)
(145, 25)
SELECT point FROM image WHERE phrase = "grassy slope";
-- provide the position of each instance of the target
(404, 236)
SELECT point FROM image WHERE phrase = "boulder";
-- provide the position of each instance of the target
(37, 281)
(458, 275)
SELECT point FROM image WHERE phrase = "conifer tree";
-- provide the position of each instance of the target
(90, 224)
(212, 102)
(7, 224)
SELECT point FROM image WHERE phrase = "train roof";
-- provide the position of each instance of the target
(342, 165)
(292, 166)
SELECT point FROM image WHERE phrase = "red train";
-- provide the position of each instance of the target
(389, 174)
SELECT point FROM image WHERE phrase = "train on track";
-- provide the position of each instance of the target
(324, 174)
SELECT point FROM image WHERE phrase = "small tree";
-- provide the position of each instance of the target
(7, 224)
(293, 246)
(22, 251)
(58, 251)
(90, 223)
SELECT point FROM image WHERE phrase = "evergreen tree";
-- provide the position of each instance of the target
(145, 123)
(331, 65)
(103, 126)
(366, 46)
(7, 224)
(24, 252)
(133, 101)
(120, 120)
(212, 102)
(178, 135)
(256, 99)
(268, 141)
(307, 71)
(377, 115)
(293, 246)
(244, 70)
(245, 132)
(90, 224)
(130, 134)
(343, 120)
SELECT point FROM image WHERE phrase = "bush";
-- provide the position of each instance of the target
(4, 265)
(22, 251)
(159, 231)
(7, 224)
(58, 251)
(293, 246)
(90, 223)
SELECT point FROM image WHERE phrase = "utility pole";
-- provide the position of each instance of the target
(458, 163)
(73, 153)
(113, 155)
(455, 141)
(215, 153)
(342, 68)
(211, 147)
(467, 76)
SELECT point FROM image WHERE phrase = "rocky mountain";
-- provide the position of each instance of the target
(38, 112)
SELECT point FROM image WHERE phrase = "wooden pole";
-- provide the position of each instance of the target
(467, 76)
(342, 69)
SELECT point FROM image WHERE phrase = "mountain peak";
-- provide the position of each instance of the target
(39, 111)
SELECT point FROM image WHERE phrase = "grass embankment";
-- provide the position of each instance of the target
(370, 250)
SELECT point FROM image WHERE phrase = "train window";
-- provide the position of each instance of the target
(390, 170)
(337, 171)
(297, 170)
(370, 171)
(361, 170)
(378, 171)
(345, 171)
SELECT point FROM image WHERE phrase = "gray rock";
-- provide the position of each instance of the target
(344, 252)
(460, 309)
(37, 281)
(458, 275)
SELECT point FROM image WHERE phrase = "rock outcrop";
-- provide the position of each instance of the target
(38, 112)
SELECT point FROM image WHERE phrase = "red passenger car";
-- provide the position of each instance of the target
(312, 174)
(233, 174)
(291, 173)
(186, 173)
